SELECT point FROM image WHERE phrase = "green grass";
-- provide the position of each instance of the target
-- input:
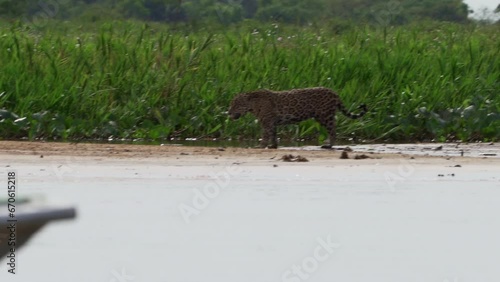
(140, 81)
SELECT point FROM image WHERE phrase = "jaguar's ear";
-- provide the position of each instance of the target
(258, 95)
(253, 95)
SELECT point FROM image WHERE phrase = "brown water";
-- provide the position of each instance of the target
(389, 220)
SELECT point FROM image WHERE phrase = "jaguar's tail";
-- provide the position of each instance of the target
(362, 107)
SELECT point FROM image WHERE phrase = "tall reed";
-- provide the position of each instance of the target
(133, 80)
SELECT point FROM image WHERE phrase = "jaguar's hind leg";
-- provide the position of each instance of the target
(330, 124)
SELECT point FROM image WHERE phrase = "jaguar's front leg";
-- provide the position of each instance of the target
(269, 135)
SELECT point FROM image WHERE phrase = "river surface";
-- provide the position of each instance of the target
(206, 218)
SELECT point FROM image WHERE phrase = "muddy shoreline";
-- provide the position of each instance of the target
(476, 150)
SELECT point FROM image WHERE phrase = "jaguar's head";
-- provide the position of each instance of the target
(240, 105)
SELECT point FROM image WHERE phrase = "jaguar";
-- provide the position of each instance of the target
(274, 108)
